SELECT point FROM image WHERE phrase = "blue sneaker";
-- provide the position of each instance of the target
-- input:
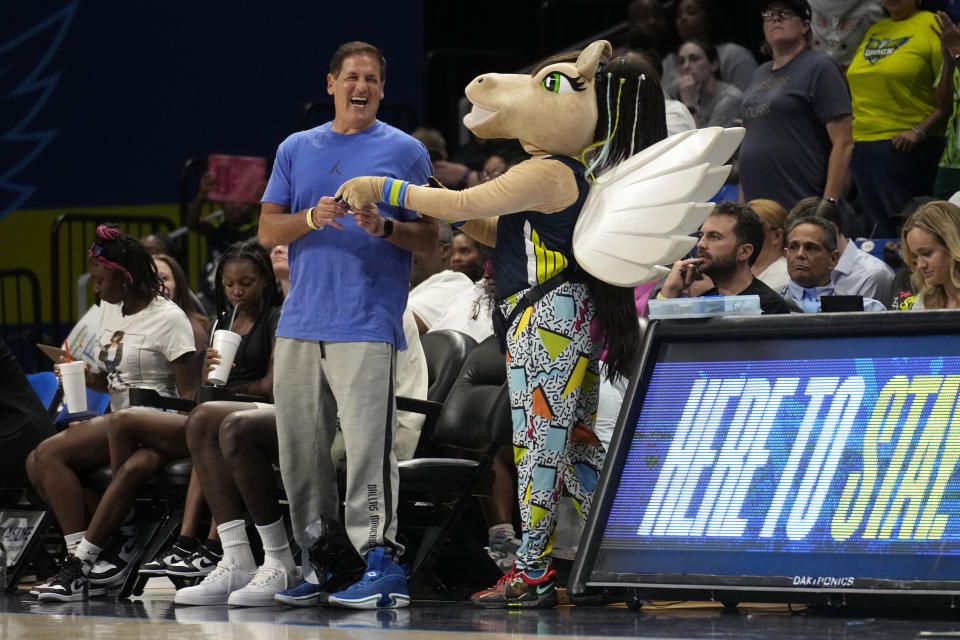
(383, 586)
(305, 594)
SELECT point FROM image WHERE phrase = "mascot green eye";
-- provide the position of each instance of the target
(557, 82)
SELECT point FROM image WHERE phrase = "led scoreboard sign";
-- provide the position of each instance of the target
(801, 454)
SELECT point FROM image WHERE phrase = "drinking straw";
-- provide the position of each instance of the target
(232, 318)
(69, 359)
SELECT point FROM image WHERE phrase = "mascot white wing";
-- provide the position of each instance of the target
(640, 214)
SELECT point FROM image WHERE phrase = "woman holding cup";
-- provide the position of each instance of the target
(142, 442)
(144, 340)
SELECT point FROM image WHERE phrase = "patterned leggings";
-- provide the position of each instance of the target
(553, 373)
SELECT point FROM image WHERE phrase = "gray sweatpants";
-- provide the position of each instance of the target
(313, 382)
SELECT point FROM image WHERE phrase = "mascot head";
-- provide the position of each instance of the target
(572, 102)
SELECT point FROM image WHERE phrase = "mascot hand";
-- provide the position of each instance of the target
(361, 191)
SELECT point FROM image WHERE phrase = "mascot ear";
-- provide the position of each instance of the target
(590, 58)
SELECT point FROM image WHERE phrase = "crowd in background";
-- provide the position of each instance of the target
(851, 130)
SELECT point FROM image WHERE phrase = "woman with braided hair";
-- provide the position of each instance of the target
(145, 340)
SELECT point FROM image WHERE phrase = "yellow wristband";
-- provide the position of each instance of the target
(310, 220)
(660, 295)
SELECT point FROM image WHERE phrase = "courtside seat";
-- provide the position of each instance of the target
(435, 491)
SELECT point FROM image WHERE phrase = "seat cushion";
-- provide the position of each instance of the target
(445, 476)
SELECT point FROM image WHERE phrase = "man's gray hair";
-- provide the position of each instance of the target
(829, 231)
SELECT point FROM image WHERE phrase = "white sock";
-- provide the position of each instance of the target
(72, 540)
(506, 528)
(236, 546)
(88, 554)
(276, 547)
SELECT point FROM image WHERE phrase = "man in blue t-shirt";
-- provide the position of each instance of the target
(341, 325)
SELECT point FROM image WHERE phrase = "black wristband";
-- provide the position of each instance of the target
(387, 228)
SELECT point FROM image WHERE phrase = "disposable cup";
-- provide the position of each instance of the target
(226, 343)
(74, 386)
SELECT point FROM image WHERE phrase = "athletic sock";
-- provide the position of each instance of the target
(72, 540)
(276, 547)
(187, 543)
(88, 554)
(236, 546)
(504, 530)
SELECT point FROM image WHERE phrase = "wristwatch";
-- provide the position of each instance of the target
(387, 228)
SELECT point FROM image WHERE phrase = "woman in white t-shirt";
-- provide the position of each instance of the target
(143, 340)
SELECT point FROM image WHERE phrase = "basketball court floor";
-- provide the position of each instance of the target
(153, 616)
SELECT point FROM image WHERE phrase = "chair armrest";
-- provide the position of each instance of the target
(150, 398)
(209, 393)
(429, 409)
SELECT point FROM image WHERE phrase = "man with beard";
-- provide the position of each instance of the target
(730, 241)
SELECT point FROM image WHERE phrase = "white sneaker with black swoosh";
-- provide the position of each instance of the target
(69, 585)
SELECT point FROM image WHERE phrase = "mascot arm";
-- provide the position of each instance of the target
(537, 184)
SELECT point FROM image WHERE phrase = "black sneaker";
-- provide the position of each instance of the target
(197, 564)
(173, 553)
(114, 563)
(336, 562)
(69, 585)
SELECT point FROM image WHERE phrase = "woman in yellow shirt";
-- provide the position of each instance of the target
(900, 106)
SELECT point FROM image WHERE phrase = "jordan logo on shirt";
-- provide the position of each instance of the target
(335, 168)
(877, 49)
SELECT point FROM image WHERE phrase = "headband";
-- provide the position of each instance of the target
(110, 234)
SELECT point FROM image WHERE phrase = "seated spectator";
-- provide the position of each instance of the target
(678, 116)
(701, 20)
(931, 247)
(797, 114)
(812, 255)
(160, 243)
(469, 256)
(281, 268)
(433, 142)
(176, 288)
(730, 242)
(234, 457)
(900, 106)
(233, 222)
(649, 23)
(771, 265)
(24, 421)
(141, 442)
(433, 282)
(712, 102)
(857, 273)
(143, 340)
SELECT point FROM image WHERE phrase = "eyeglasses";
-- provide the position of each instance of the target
(490, 175)
(778, 15)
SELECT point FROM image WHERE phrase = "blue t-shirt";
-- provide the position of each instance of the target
(345, 285)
